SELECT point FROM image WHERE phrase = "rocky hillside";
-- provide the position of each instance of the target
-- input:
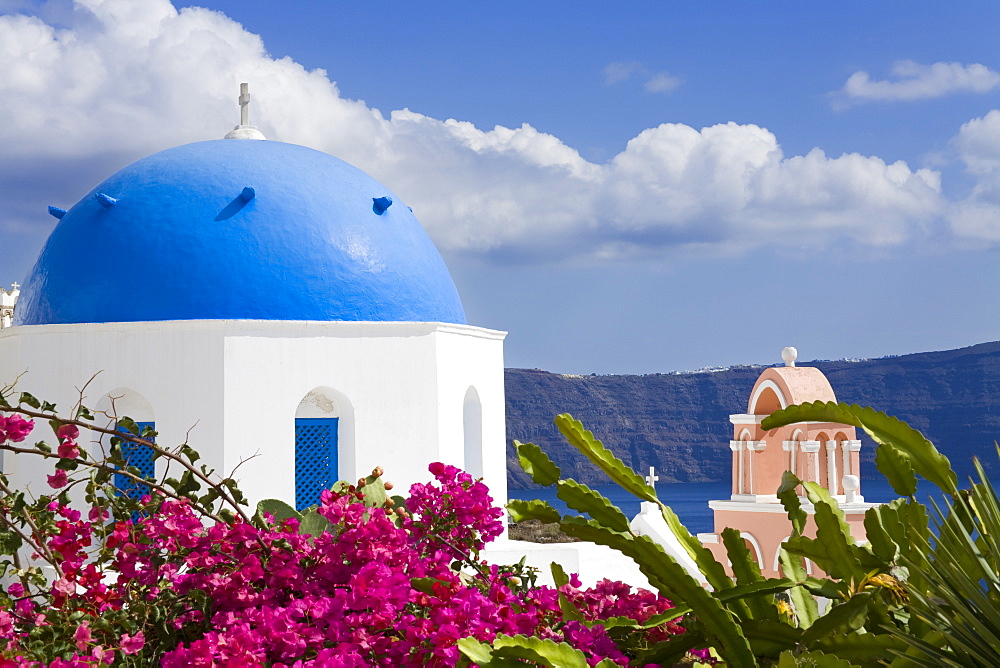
(680, 422)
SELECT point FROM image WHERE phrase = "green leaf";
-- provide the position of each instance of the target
(842, 618)
(805, 606)
(30, 400)
(424, 585)
(790, 500)
(570, 611)
(568, 608)
(897, 469)
(127, 424)
(189, 452)
(521, 510)
(373, 491)
(10, 542)
(703, 558)
(479, 653)
(811, 660)
(770, 638)
(747, 571)
(655, 620)
(834, 535)
(890, 528)
(537, 464)
(545, 651)
(559, 576)
(603, 458)
(672, 579)
(581, 498)
(313, 524)
(866, 649)
(672, 650)
(280, 510)
(925, 459)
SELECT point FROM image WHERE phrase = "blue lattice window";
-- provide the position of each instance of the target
(139, 456)
(315, 458)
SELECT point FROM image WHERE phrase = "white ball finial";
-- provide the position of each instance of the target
(789, 354)
(851, 484)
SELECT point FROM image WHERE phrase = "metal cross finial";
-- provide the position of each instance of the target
(15, 285)
(652, 477)
(244, 103)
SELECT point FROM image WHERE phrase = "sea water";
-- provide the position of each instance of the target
(690, 499)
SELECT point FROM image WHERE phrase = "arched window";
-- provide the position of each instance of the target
(777, 561)
(823, 460)
(844, 459)
(318, 442)
(766, 399)
(754, 547)
(472, 426)
(125, 403)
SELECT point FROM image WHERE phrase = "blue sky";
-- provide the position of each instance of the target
(665, 186)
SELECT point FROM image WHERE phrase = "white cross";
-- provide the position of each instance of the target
(244, 103)
(652, 477)
(15, 285)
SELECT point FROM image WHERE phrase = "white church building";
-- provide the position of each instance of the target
(284, 314)
(271, 305)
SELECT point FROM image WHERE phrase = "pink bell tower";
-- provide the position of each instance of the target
(823, 452)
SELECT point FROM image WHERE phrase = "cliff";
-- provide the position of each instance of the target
(679, 422)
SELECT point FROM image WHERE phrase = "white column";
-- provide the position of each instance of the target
(789, 447)
(754, 446)
(737, 447)
(811, 448)
(846, 458)
(831, 466)
(849, 447)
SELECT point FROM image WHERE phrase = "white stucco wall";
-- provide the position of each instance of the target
(232, 389)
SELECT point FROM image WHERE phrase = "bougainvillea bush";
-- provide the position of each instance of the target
(185, 577)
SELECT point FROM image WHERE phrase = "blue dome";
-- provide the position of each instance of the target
(238, 229)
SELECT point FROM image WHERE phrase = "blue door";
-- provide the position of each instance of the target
(139, 456)
(315, 459)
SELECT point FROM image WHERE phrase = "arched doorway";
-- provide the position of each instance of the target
(124, 403)
(318, 431)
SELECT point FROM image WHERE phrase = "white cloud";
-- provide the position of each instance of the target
(977, 216)
(621, 71)
(125, 79)
(913, 81)
(662, 83)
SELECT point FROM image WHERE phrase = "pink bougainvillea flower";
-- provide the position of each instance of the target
(59, 480)
(68, 450)
(132, 644)
(380, 588)
(15, 428)
(68, 431)
(83, 636)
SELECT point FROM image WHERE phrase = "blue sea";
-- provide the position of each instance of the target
(690, 500)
